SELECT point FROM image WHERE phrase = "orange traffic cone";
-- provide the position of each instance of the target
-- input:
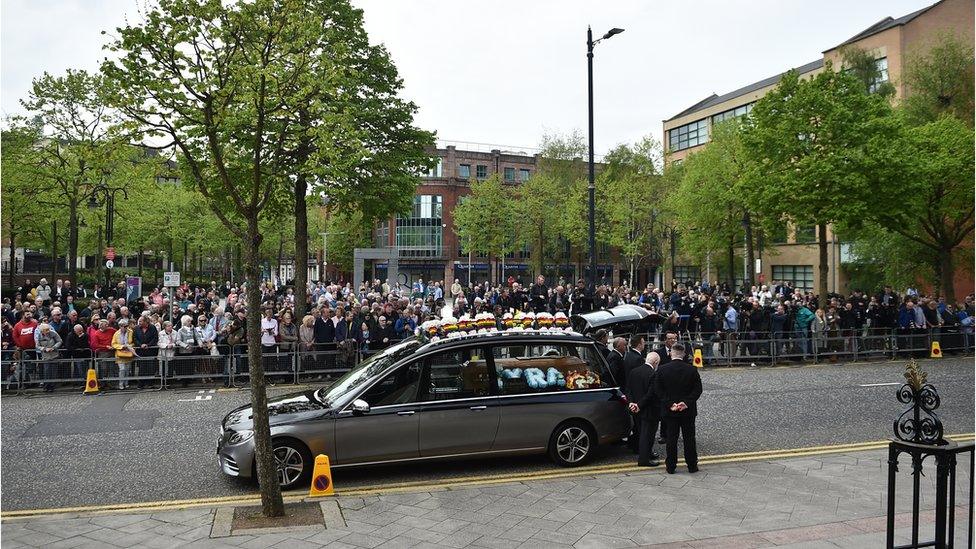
(321, 478)
(697, 361)
(936, 350)
(91, 383)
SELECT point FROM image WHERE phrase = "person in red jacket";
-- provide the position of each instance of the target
(101, 344)
(23, 337)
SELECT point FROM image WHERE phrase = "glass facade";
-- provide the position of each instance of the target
(422, 234)
(687, 274)
(800, 275)
(689, 135)
(732, 113)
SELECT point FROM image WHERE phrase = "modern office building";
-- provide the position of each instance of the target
(793, 255)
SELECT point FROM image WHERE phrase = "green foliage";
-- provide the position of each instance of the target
(863, 66)
(534, 204)
(633, 184)
(485, 220)
(348, 229)
(820, 150)
(939, 78)
(887, 257)
(707, 199)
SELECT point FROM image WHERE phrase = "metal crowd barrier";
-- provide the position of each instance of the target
(740, 348)
(229, 365)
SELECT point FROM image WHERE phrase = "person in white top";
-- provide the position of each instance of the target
(269, 332)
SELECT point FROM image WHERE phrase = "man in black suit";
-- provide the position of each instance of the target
(647, 409)
(679, 386)
(600, 336)
(616, 361)
(632, 360)
(664, 351)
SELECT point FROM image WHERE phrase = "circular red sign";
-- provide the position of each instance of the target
(321, 483)
(92, 383)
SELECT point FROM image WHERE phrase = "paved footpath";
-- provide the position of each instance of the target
(829, 500)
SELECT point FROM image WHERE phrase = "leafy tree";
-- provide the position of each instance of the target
(816, 144)
(84, 146)
(535, 202)
(355, 132)
(485, 219)
(708, 202)
(21, 211)
(217, 80)
(939, 79)
(348, 229)
(933, 204)
(562, 158)
(633, 189)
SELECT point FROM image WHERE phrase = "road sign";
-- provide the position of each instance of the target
(110, 254)
(109, 264)
(171, 279)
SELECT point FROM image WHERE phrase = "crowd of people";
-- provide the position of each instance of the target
(47, 326)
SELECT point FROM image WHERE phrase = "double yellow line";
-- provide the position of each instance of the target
(456, 482)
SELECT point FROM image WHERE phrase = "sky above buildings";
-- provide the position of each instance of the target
(506, 72)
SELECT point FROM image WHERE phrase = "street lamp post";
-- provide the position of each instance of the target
(109, 215)
(592, 179)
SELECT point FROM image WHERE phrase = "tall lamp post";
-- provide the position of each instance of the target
(592, 179)
(109, 194)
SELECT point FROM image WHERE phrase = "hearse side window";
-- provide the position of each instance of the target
(460, 373)
(540, 368)
(398, 387)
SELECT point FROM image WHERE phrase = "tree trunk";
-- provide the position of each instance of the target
(730, 265)
(54, 250)
(186, 268)
(13, 262)
(946, 275)
(750, 253)
(824, 267)
(72, 243)
(271, 502)
(139, 262)
(281, 253)
(301, 246)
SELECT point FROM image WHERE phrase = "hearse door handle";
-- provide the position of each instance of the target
(477, 408)
(405, 413)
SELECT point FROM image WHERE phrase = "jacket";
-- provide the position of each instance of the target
(123, 352)
(678, 381)
(167, 344)
(50, 340)
(101, 341)
(616, 362)
(640, 391)
(24, 334)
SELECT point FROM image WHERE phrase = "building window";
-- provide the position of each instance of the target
(687, 274)
(801, 276)
(482, 171)
(806, 234)
(421, 234)
(438, 170)
(689, 135)
(524, 174)
(464, 171)
(732, 113)
(383, 234)
(882, 75)
(738, 280)
(509, 174)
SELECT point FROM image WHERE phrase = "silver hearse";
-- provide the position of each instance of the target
(500, 393)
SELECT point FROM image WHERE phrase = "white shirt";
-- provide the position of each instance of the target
(268, 324)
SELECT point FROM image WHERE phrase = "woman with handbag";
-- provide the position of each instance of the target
(123, 342)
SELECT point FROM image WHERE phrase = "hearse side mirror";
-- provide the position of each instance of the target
(360, 407)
